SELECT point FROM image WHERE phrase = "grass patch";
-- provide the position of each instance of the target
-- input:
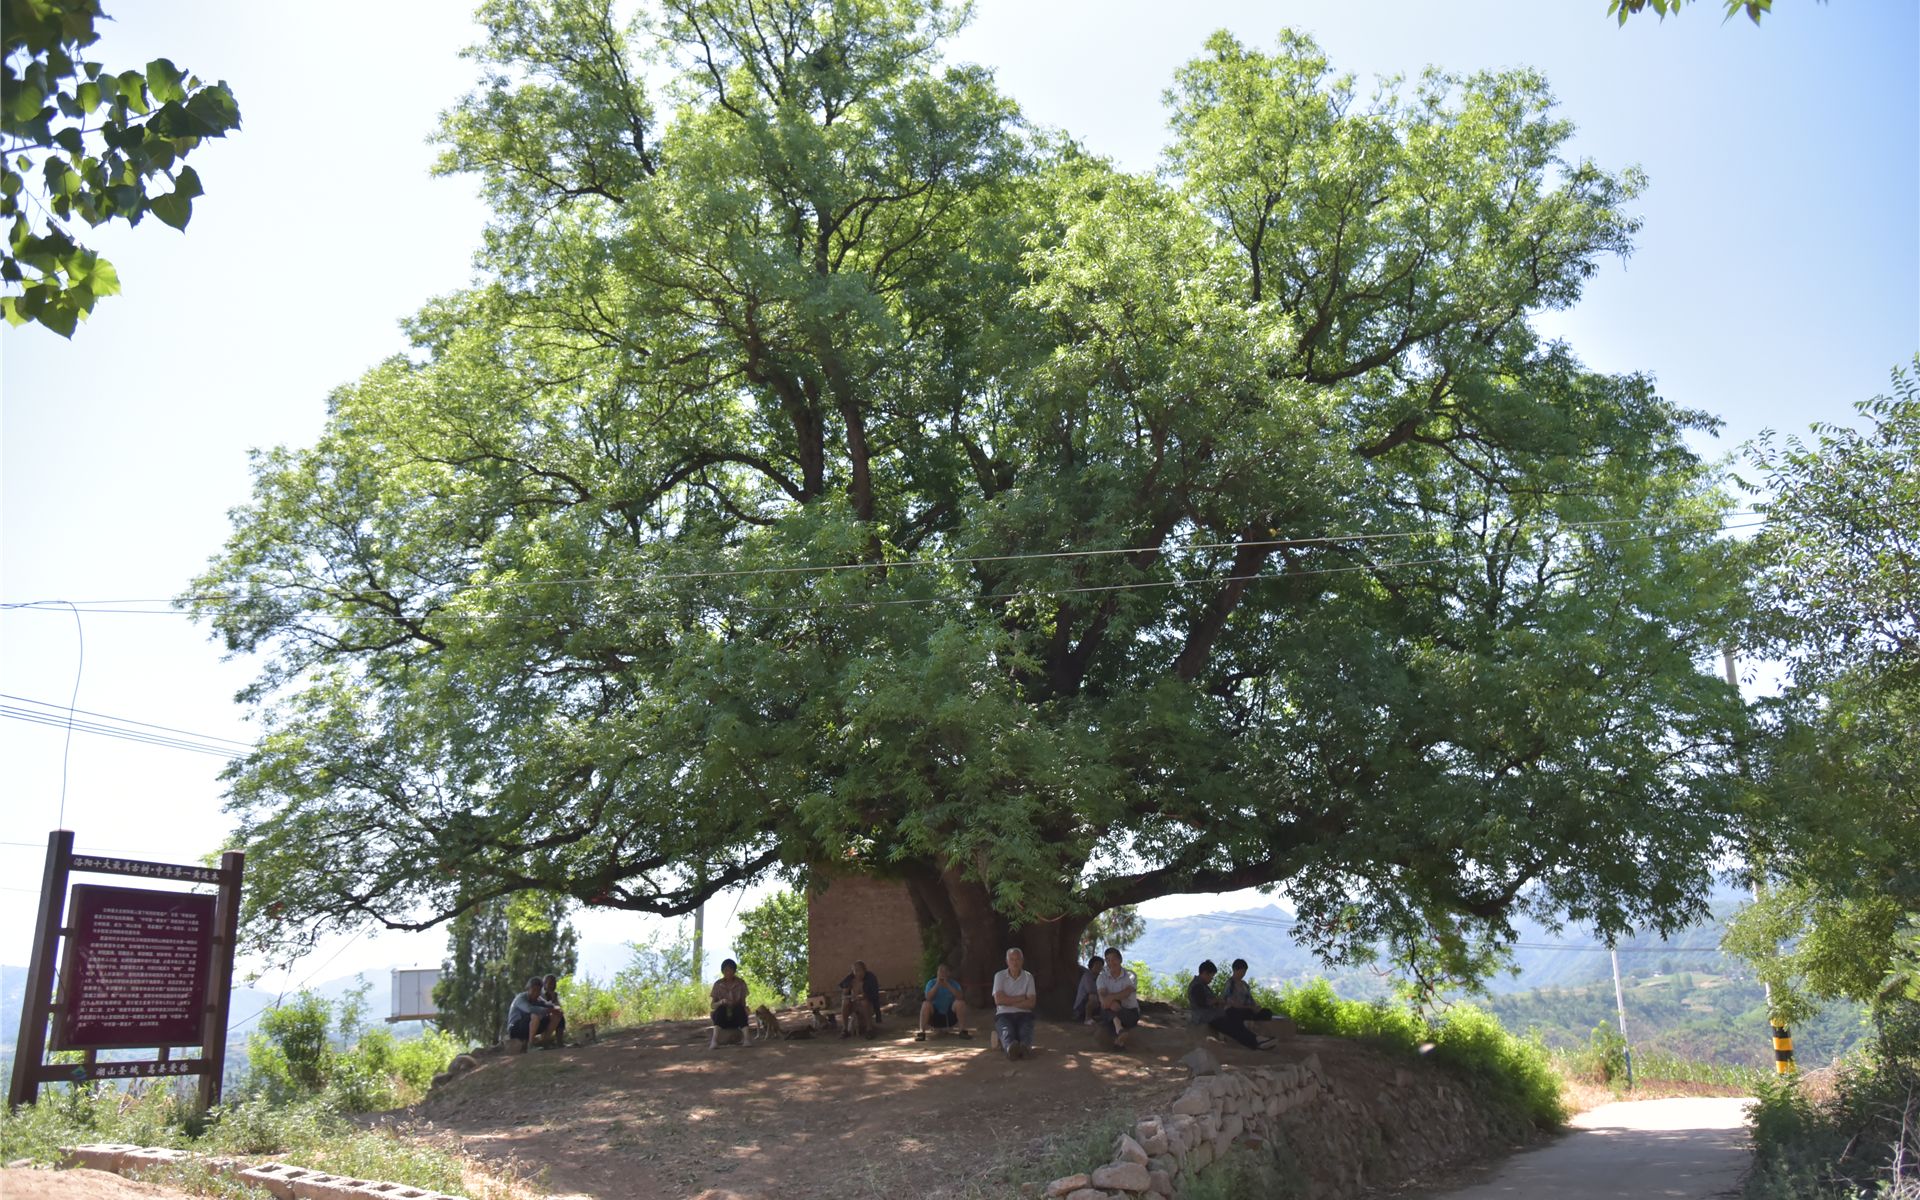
(309, 1133)
(1515, 1073)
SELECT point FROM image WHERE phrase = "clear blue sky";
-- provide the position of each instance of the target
(1777, 281)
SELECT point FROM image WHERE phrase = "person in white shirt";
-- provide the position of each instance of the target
(1119, 1001)
(1013, 998)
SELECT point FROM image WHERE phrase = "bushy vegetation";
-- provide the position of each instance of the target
(1516, 1073)
(311, 1131)
(309, 1048)
(657, 984)
(1863, 1141)
(311, 1066)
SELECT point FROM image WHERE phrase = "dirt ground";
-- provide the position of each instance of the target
(79, 1184)
(653, 1112)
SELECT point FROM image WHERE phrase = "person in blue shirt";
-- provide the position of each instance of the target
(943, 1007)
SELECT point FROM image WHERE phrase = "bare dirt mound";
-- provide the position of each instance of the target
(653, 1112)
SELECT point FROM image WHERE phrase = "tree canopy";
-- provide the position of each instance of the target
(1840, 772)
(81, 142)
(829, 470)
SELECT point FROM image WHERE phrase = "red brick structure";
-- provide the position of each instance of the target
(853, 916)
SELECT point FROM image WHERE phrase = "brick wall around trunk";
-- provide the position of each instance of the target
(857, 917)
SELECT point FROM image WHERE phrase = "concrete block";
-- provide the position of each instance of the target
(327, 1187)
(100, 1156)
(151, 1158)
(276, 1178)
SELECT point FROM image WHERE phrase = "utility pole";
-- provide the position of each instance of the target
(699, 937)
(1620, 1007)
(1782, 1036)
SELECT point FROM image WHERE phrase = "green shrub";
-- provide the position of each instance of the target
(1515, 1073)
(1864, 1141)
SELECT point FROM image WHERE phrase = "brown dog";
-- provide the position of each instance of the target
(771, 1028)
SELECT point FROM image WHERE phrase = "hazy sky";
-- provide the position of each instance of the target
(1776, 282)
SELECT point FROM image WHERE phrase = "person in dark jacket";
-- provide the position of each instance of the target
(1203, 1008)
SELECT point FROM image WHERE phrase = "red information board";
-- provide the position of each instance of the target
(135, 969)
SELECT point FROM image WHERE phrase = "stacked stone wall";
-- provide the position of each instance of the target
(1336, 1144)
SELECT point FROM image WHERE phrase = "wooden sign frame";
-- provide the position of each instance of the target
(40, 1005)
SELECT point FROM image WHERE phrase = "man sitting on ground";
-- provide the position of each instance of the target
(1013, 998)
(550, 995)
(1086, 997)
(1239, 995)
(729, 1006)
(1203, 1009)
(942, 1008)
(1119, 1002)
(529, 1018)
(859, 1001)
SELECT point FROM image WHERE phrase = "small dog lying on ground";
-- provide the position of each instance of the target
(771, 1028)
(586, 1035)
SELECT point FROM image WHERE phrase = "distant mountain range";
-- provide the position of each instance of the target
(1542, 959)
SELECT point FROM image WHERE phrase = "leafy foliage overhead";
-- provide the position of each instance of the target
(830, 469)
(84, 143)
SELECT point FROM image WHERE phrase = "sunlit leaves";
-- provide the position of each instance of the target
(106, 146)
(833, 471)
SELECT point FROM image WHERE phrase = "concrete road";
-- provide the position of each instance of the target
(1693, 1147)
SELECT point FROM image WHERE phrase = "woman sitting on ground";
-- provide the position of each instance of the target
(729, 1005)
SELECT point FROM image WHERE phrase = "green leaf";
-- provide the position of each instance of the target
(88, 95)
(25, 102)
(165, 81)
(104, 278)
(61, 317)
(133, 90)
(187, 183)
(173, 208)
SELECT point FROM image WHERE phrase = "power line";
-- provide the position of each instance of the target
(205, 737)
(899, 601)
(12, 713)
(1326, 539)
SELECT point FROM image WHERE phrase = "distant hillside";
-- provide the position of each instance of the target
(1542, 959)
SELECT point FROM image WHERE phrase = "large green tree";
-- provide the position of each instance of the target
(829, 469)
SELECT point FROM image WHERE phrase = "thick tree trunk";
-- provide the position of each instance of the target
(959, 915)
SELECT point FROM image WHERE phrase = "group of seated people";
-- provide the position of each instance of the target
(1108, 998)
(535, 1017)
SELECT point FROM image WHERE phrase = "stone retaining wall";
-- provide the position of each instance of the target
(1337, 1143)
(283, 1181)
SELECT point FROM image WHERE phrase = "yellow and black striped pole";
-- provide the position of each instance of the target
(1782, 1043)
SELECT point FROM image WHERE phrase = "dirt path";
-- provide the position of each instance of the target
(1689, 1148)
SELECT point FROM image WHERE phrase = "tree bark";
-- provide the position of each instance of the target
(960, 916)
